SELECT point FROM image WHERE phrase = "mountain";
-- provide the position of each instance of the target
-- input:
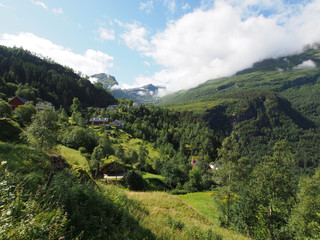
(36, 79)
(107, 81)
(144, 94)
(276, 99)
(293, 77)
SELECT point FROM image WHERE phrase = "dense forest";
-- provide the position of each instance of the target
(254, 151)
(36, 79)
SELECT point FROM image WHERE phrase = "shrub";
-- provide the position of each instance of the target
(10, 130)
(135, 181)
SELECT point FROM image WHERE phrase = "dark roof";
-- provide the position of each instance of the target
(21, 98)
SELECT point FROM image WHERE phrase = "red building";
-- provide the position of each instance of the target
(17, 101)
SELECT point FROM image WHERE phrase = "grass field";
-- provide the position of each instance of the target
(202, 202)
(170, 217)
(74, 157)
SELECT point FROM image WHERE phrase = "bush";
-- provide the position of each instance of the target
(80, 137)
(10, 130)
(135, 181)
(5, 109)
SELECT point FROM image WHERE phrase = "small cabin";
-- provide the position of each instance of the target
(17, 101)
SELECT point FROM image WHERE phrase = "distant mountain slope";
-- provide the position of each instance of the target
(107, 81)
(34, 78)
(295, 78)
(276, 99)
(144, 94)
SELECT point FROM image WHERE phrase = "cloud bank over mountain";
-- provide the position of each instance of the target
(218, 42)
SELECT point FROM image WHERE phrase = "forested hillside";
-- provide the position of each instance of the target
(36, 79)
(274, 100)
(242, 150)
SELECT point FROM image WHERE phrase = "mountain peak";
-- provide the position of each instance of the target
(107, 80)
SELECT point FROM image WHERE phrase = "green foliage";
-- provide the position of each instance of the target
(80, 137)
(63, 116)
(195, 181)
(23, 114)
(305, 219)
(10, 130)
(28, 216)
(42, 132)
(76, 106)
(227, 175)
(175, 224)
(35, 78)
(271, 197)
(26, 91)
(5, 109)
(135, 181)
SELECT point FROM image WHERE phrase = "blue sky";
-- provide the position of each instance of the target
(177, 43)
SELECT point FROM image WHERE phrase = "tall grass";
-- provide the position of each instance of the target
(169, 217)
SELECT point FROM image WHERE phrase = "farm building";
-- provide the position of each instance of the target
(17, 101)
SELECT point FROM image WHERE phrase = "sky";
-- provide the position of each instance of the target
(174, 43)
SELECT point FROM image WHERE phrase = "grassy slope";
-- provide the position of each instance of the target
(74, 157)
(202, 202)
(161, 205)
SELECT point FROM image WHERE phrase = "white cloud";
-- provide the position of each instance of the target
(141, 93)
(5, 6)
(135, 37)
(308, 64)
(171, 5)
(88, 63)
(147, 63)
(218, 42)
(57, 11)
(186, 7)
(106, 34)
(146, 6)
(38, 3)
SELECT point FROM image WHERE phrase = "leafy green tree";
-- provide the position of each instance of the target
(142, 156)
(78, 119)
(105, 143)
(119, 153)
(97, 155)
(5, 109)
(76, 106)
(42, 132)
(80, 137)
(174, 176)
(195, 180)
(23, 114)
(131, 156)
(305, 219)
(135, 181)
(63, 116)
(274, 184)
(226, 174)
